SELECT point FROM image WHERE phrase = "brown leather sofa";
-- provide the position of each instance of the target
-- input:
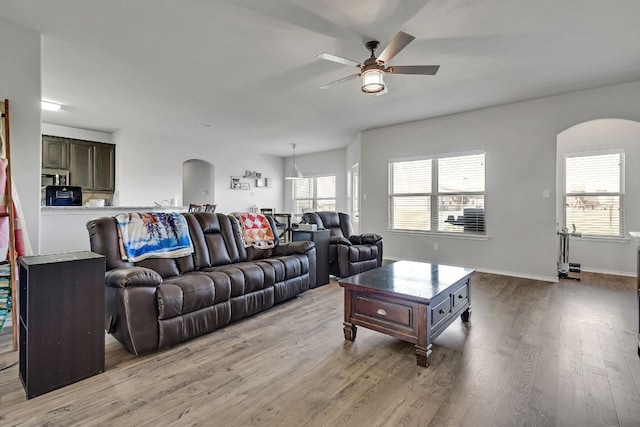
(349, 254)
(158, 302)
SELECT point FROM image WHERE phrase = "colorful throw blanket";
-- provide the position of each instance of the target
(153, 234)
(5, 293)
(256, 230)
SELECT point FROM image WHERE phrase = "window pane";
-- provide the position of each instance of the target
(593, 174)
(326, 187)
(593, 197)
(411, 177)
(461, 174)
(326, 205)
(303, 188)
(597, 215)
(461, 214)
(410, 213)
(301, 205)
(412, 190)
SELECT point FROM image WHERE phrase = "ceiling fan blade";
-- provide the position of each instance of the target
(428, 70)
(338, 59)
(337, 82)
(399, 42)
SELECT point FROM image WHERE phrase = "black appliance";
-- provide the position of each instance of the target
(63, 195)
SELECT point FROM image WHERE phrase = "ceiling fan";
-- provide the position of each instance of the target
(373, 69)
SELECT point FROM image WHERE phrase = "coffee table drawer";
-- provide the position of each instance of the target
(440, 311)
(461, 296)
(387, 311)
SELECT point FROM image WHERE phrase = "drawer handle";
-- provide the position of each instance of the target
(441, 311)
(460, 296)
(381, 312)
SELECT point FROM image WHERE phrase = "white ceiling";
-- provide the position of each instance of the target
(247, 68)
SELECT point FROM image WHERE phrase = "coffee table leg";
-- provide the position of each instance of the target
(423, 356)
(349, 331)
(466, 314)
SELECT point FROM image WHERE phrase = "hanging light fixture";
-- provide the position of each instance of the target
(294, 173)
(373, 80)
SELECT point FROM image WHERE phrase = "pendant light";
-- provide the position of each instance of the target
(294, 173)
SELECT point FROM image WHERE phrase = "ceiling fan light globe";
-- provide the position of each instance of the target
(373, 81)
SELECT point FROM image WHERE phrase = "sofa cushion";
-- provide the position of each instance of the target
(213, 240)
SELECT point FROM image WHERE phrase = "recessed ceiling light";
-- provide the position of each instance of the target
(50, 106)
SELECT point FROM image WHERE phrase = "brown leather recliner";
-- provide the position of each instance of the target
(349, 254)
(159, 302)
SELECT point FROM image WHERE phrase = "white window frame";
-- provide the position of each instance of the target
(314, 199)
(621, 193)
(434, 195)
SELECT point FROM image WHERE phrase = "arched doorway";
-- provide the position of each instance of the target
(198, 182)
(607, 253)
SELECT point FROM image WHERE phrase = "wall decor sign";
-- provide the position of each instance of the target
(252, 174)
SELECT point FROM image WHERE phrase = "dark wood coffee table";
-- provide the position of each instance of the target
(413, 301)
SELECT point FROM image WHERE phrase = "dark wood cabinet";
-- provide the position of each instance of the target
(55, 152)
(104, 167)
(321, 239)
(61, 319)
(91, 165)
(81, 161)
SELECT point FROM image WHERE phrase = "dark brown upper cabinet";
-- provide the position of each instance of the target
(91, 165)
(55, 152)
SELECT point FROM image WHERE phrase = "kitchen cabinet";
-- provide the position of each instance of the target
(81, 164)
(104, 167)
(91, 165)
(55, 152)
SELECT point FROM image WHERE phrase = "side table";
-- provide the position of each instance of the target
(321, 239)
(61, 307)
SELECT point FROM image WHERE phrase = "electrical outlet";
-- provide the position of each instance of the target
(436, 247)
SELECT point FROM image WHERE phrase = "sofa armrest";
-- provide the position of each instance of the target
(291, 248)
(132, 276)
(337, 240)
(367, 238)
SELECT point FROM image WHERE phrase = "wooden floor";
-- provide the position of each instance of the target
(534, 354)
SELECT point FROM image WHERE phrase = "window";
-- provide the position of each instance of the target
(315, 194)
(594, 193)
(441, 194)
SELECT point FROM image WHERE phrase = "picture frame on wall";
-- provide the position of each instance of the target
(235, 183)
(244, 186)
(260, 183)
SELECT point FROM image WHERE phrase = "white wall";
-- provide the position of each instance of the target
(76, 133)
(608, 256)
(149, 169)
(319, 164)
(520, 144)
(20, 84)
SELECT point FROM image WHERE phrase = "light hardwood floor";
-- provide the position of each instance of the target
(534, 354)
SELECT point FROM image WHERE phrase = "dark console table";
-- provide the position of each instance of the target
(321, 239)
(61, 307)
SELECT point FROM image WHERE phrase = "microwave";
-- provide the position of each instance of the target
(54, 177)
(60, 195)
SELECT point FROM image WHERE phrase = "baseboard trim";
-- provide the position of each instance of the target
(553, 279)
(610, 272)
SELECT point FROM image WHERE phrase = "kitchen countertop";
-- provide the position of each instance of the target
(57, 210)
